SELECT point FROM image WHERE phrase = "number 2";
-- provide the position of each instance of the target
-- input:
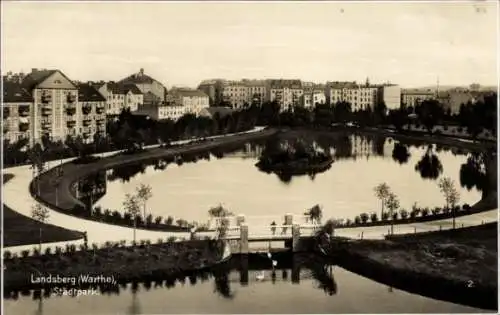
(470, 284)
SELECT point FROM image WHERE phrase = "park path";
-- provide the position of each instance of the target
(16, 195)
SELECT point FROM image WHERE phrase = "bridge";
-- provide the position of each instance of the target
(241, 232)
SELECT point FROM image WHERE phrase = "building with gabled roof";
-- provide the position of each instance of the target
(120, 96)
(146, 84)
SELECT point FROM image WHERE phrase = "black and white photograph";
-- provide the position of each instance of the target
(249, 157)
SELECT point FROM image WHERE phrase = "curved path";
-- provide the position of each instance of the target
(16, 195)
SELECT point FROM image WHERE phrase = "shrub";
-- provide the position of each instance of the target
(425, 212)
(134, 243)
(169, 220)
(98, 211)
(158, 219)
(123, 243)
(466, 207)
(95, 246)
(373, 217)
(364, 217)
(456, 209)
(403, 213)
(82, 247)
(385, 216)
(127, 217)
(7, 255)
(395, 215)
(107, 213)
(147, 242)
(159, 241)
(149, 219)
(25, 253)
(171, 239)
(117, 216)
(36, 252)
(58, 250)
(357, 220)
(460, 129)
(436, 210)
(446, 210)
(348, 222)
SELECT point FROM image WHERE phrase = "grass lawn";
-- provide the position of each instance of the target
(22, 230)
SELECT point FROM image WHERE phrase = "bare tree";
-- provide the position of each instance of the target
(131, 206)
(382, 192)
(451, 194)
(41, 214)
(392, 203)
(144, 193)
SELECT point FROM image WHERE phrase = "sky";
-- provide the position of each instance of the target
(182, 43)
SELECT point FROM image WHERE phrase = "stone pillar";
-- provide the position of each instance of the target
(295, 237)
(244, 239)
(288, 219)
(240, 219)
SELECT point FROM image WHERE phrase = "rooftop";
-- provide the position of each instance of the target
(88, 93)
(14, 92)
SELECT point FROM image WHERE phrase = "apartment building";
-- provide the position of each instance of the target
(287, 93)
(452, 99)
(93, 108)
(313, 96)
(390, 94)
(360, 97)
(192, 100)
(235, 94)
(17, 104)
(162, 111)
(214, 89)
(413, 97)
(120, 96)
(53, 93)
(145, 84)
(256, 91)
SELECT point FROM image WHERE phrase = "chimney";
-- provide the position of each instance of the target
(34, 70)
(141, 71)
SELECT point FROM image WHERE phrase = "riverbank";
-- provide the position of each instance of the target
(121, 263)
(22, 230)
(459, 266)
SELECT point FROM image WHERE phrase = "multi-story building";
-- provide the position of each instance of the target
(235, 94)
(121, 96)
(146, 84)
(47, 103)
(192, 100)
(53, 93)
(162, 111)
(214, 89)
(312, 97)
(360, 97)
(287, 93)
(390, 94)
(93, 108)
(413, 97)
(17, 104)
(454, 98)
(256, 91)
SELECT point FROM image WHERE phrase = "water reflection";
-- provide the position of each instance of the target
(429, 166)
(301, 267)
(340, 146)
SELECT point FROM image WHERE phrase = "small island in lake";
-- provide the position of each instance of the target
(293, 158)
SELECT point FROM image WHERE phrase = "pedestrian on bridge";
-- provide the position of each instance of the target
(273, 227)
(283, 229)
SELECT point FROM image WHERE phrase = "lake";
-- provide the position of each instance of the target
(361, 162)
